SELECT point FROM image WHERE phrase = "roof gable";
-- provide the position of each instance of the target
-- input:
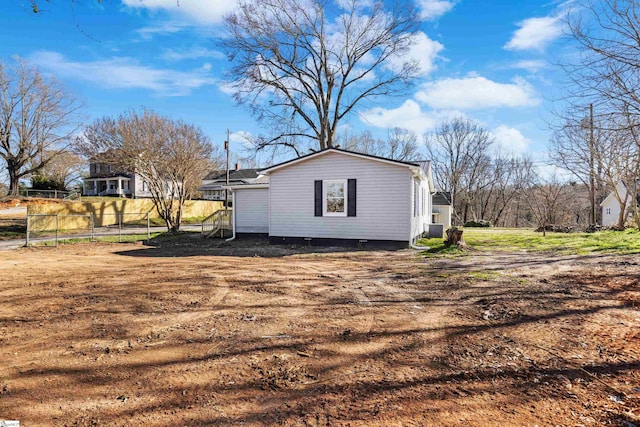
(442, 198)
(288, 163)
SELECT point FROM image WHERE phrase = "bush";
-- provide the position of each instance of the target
(555, 229)
(40, 182)
(481, 224)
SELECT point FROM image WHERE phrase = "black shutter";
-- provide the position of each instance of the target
(318, 198)
(351, 197)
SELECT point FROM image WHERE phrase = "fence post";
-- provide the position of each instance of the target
(119, 227)
(28, 229)
(91, 224)
(57, 226)
(148, 229)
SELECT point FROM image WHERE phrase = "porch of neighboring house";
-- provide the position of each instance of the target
(214, 192)
(111, 186)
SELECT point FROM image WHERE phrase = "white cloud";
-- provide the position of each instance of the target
(510, 140)
(194, 53)
(199, 11)
(243, 138)
(531, 65)
(535, 33)
(431, 10)
(477, 92)
(425, 51)
(409, 116)
(165, 28)
(227, 88)
(359, 4)
(125, 73)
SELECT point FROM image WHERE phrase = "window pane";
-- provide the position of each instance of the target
(335, 189)
(335, 204)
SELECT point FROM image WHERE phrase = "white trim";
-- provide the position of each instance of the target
(345, 186)
(609, 198)
(247, 186)
(332, 150)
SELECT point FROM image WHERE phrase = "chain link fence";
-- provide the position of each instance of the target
(56, 227)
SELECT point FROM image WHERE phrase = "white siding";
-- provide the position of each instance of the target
(383, 199)
(444, 215)
(252, 210)
(419, 223)
(611, 206)
(137, 187)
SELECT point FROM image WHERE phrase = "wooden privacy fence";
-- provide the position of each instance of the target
(57, 227)
(192, 208)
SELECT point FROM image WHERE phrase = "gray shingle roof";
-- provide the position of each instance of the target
(234, 175)
(442, 198)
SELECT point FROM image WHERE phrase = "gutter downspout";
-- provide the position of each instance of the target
(420, 248)
(233, 215)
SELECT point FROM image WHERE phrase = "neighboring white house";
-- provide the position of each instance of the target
(214, 184)
(442, 208)
(611, 207)
(338, 197)
(106, 180)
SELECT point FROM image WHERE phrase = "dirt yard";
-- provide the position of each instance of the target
(187, 333)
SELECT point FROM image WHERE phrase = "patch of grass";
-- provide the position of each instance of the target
(510, 240)
(193, 220)
(484, 275)
(12, 229)
(436, 246)
(11, 235)
(126, 238)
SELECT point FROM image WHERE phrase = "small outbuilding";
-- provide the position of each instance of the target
(442, 208)
(618, 206)
(337, 197)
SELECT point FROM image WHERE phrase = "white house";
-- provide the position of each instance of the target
(105, 179)
(337, 197)
(442, 208)
(213, 185)
(611, 208)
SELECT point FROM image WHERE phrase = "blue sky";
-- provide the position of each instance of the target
(490, 61)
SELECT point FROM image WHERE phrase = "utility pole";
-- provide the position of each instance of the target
(592, 173)
(226, 190)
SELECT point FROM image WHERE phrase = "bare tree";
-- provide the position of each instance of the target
(576, 146)
(606, 70)
(619, 155)
(546, 198)
(37, 118)
(600, 152)
(499, 189)
(170, 155)
(401, 144)
(62, 170)
(306, 65)
(458, 149)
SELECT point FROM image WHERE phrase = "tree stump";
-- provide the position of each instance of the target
(454, 237)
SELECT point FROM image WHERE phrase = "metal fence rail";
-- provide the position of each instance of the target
(50, 194)
(57, 227)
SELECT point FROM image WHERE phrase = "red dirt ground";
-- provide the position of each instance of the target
(197, 333)
(6, 203)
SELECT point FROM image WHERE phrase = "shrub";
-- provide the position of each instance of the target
(482, 223)
(555, 229)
